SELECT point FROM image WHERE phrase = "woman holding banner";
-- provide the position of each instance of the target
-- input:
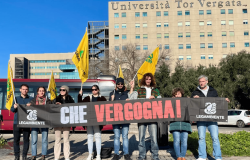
(93, 130)
(180, 131)
(40, 99)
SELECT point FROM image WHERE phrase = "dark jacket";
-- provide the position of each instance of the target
(19, 100)
(119, 95)
(180, 126)
(211, 93)
(87, 99)
(68, 99)
(33, 101)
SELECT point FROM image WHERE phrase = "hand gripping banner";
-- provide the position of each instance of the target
(120, 112)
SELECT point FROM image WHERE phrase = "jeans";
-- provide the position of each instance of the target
(34, 137)
(180, 143)
(124, 128)
(91, 131)
(26, 138)
(152, 129)
(214, 132)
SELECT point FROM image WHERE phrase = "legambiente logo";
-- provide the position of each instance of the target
(210, 108)
(32, 115)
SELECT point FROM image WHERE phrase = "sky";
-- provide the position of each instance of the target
(45, 26)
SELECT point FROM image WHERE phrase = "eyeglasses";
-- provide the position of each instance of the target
(94, 89)
(63, 90)
(119, 84)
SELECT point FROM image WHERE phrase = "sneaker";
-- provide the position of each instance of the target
(98, 157)
(90, 157)
(127, 157)
(201, 159)
(116, 157)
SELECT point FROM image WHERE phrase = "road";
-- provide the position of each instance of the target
(227, 128)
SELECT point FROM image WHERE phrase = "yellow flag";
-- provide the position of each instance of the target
(10, 88)
(149, 65)
(81, 58)
(120, 75)
(52, 87)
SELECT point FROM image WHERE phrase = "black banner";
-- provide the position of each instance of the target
(120, 112)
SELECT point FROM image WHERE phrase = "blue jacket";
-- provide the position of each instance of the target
(119, 95)
(20, 100)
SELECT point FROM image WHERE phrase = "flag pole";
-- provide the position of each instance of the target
(12, 85)
(49, 81)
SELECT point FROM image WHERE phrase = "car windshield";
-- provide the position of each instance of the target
(247, 113)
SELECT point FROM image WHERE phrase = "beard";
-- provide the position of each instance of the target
(203, 86)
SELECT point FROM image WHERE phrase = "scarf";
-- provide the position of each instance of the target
(43, 100)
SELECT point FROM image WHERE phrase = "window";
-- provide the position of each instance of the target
(201, 23)
(209, 23)
(189, 57)
(224, 56)
(124, 36)
(201, 12)
(223, 33)
(222, 11)
(158, 24)
(124, 25)
(137, 25)
(209, 34)
(137, 36)
(202, 45)
(180, 46)
(224, 45)
(244, 10)
(179, 24)
(210, 45)
(145, 47)
(165, 13)
(202, 34)
(232, 44)
(210, 56)
(116, 36)
(116, 15)
(180, 35)
(138, 47)
(166, 24)
(188, 46)
(158, 13)
(137, 14)
(246, 44)
(187, 13)
(158, 35)
(167, 58)
(166, 46)
(116, 25)
(246, 33)
(145, 25)
(179, 13)
(124, 48)
(231, 22)
(145, 36)
(209, 12)
(223, 22)
(230, 11)
(203, 57)
(245, 21)
(188, 34)
(187, 23)
(231, 33)
(166, 35)
(117, 48)
(124, 14)
(144, 14)
(181, 57)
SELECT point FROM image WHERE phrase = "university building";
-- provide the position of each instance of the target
(195, 31)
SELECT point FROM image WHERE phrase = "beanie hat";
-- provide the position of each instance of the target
(119, 80)
(66, 87)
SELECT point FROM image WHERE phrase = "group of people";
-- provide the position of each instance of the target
(147, 90)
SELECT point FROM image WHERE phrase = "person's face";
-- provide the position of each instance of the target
(148, 81)
(41, 92)
(178, 94)
(203, 83)
(63, 91)
(95, 91)
(119, 85)
(24, 90)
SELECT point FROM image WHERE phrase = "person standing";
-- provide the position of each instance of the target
(147, 90)
(120, 93)
(24, 98)
(93, 130)
(203, 90)
(180, 131)
(40, 99)
(63, 98)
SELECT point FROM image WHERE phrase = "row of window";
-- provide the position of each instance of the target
(202, 57)
(43, 67)
(179, 13)
(48, 61)
(43, 73)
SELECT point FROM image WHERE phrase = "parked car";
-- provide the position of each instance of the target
(240, 117)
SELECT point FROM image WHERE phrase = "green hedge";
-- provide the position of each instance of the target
(237, 144)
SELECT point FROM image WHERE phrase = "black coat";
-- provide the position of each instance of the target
(68, 99)
(211, 93)
(119, 95)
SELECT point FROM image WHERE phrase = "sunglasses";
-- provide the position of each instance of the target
(94, 89)
(119, 84)
(63, 90)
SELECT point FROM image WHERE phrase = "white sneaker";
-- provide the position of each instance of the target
(89, 157)
(218, 159)
(98, 157)
(201, 159)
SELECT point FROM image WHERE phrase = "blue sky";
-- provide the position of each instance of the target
(45, 26)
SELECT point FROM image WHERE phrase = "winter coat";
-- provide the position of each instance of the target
(211, 93)
(119, 95)
(68, 99)
(180, 126)
(33, 101)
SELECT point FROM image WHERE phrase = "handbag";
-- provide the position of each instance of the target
(105, 152)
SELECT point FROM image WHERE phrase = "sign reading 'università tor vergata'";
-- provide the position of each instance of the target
(119, 112)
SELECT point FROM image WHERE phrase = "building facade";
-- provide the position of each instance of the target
(195, 31)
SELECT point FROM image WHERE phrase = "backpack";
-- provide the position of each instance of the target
(105, 152)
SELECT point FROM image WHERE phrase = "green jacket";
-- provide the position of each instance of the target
(180, 126)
